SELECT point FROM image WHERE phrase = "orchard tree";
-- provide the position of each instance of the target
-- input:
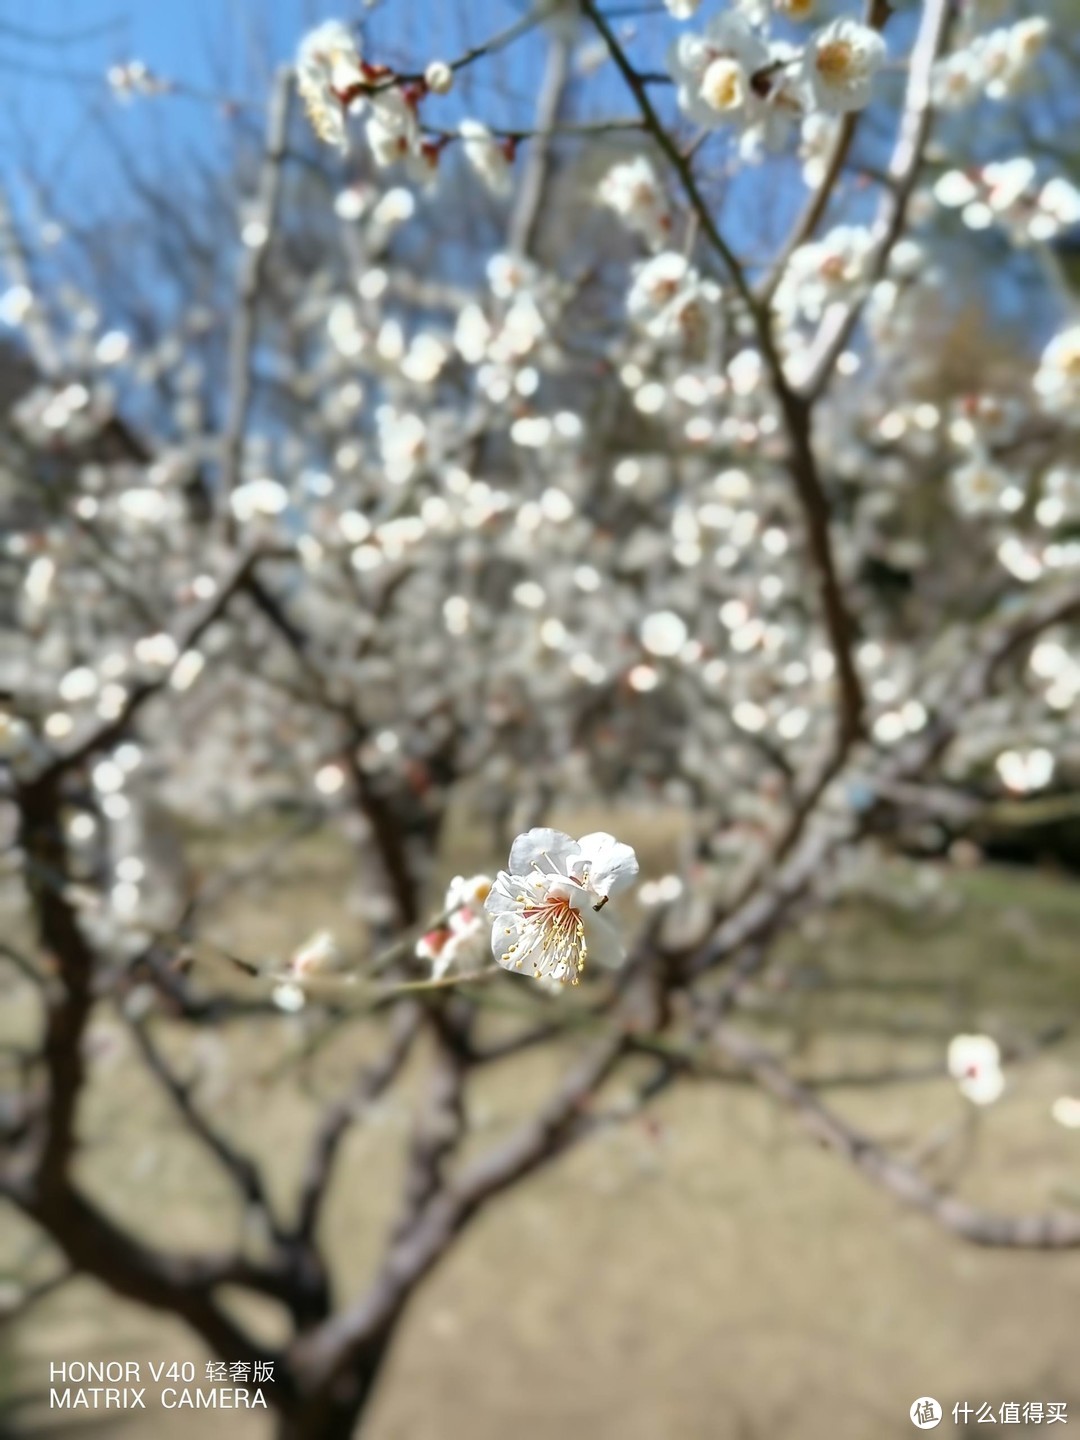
(623, 456)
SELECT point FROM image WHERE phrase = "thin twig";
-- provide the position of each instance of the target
(252, 277)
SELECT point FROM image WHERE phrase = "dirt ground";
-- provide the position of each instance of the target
(708, 1273)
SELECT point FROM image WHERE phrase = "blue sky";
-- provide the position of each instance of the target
(54, 58)
(61, 124)
(59, 115)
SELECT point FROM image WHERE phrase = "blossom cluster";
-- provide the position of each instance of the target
(1009, 193)
(994, 65)
(337, 83)
(735, 73)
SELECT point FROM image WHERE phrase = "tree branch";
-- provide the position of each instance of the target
(333, 1346)
(903, 174)
(104, 736)
(252, 277)
(372, 1082)
(1049, 1231)
(242, 1169)
(877, 13)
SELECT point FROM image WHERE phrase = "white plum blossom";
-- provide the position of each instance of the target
(1009, 192)
(403, 443)
(994, 66)
(1007, 181)
(327, 76)
(974, 1062)
(455, 947)
(465, 944)
(320, 954)
(682, 9)
(546, 910)
(439, 78)
(1057, 380)
(392, 129)
(657, 282)
(511, 275)
(1066, 1111)
(832, 268)
(725, 86)
(464, 891)
(262, 497)
(669, 300)
(487, 156)
(1006, 56)
(1057, 207)
(956, 81)
(663, 633)
(633, 190)
(776, 105)
(134, 77)
(981, 487)
(840, 64)
(460, 943)
(288, 998)
(754, 12)
(713, 71)
(1025, 771)
(1060, 503)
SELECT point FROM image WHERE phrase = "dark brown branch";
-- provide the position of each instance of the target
(334, 1346)
(796, 414)
(815, 511)
(680, 163)
(1049, 1231)
(440, 1124)
(38, 1177)
(240, 1167)
(372, 1082)
(389, 841)
(177, 1284)
(22, 963)
(70, 997)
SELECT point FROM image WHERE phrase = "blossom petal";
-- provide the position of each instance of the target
(972, 1052)
(504, 934)
(984, 1087)
(548, 851)
(608, 864)
(502, 897)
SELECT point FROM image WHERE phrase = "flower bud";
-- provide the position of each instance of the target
(439, 78)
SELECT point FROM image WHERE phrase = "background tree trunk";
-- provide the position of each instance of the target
(337, 1410)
